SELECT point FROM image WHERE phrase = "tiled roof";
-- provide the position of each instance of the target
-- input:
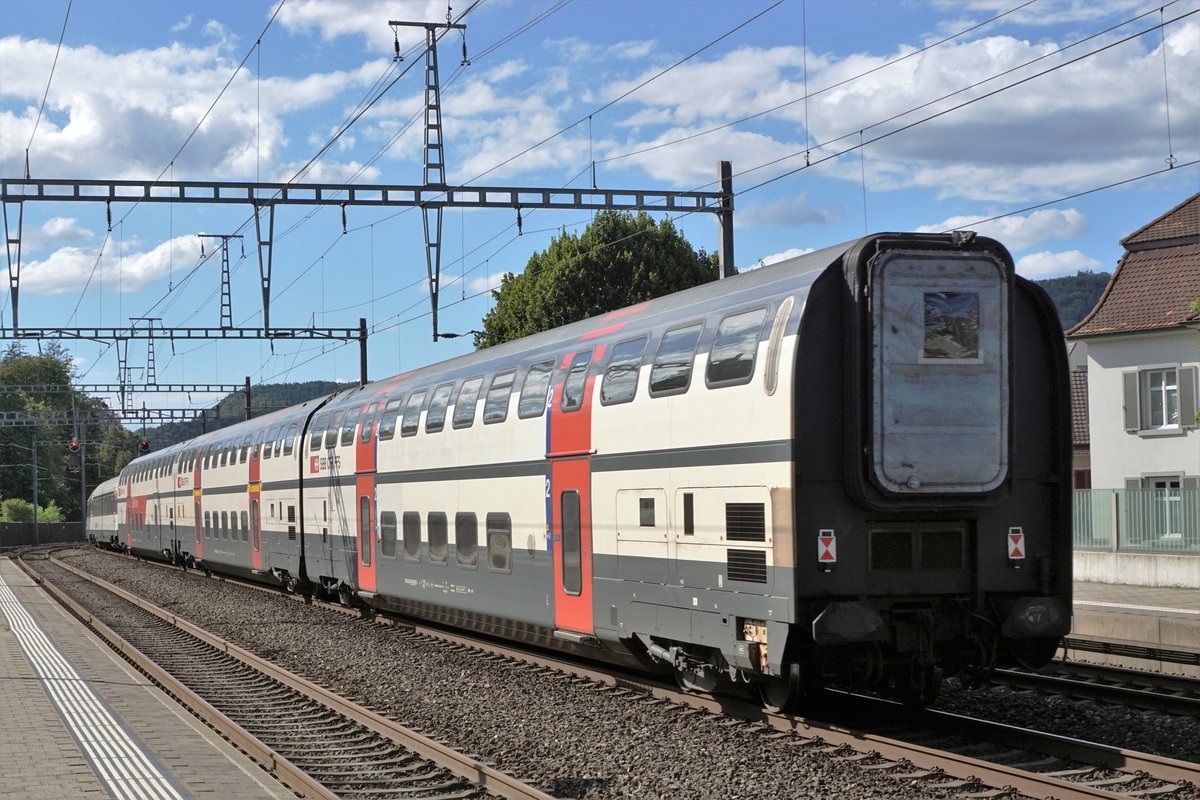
(1156, 280)
(1182, 220)
(1079, 410)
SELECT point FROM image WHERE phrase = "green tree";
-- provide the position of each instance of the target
(14, 509)
(619, 260)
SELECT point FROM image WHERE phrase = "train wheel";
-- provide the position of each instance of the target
(783, 694)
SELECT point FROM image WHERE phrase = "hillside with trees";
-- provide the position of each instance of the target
(1075, 295)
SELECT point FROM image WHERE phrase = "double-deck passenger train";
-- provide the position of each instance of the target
(849, 467)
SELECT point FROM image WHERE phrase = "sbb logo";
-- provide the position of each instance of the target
(314, 464)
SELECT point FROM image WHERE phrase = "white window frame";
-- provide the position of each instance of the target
(1158, 388)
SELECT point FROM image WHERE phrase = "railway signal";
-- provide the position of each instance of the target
(143, 445)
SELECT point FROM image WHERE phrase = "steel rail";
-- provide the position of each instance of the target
(924, 758)
(1079, 687)
(464, 766)
(286, 772)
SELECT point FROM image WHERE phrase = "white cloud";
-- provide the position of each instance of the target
(1048, 12)
(633, 50)
(368, 19)
(182, 25)
(69, 269)
(54, 232)
(1019, 232)
(1047, 264)
(786, 211)
(125, 115)
(775, 258)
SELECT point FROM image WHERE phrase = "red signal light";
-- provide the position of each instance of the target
(144, 446)
(73, 446)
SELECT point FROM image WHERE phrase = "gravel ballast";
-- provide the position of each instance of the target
(568, 737)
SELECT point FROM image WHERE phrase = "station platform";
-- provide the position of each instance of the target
(1147, 615)
(80, 722)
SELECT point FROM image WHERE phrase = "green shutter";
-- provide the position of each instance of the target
(1187, 397)
(1132, 416)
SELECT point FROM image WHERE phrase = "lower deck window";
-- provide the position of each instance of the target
(499, 542)
(466, 540)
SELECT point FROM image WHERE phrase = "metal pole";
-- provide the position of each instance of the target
(83, 479)
(248, 414)
(362, 351)
(35, 493)
(725, 219)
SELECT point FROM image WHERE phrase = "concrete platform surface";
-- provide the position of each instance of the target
(80, 722)
(1168, 618)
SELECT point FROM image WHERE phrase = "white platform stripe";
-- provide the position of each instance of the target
(1133, 607)
(125, 769)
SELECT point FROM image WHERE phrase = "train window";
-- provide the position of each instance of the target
(224, 524)
(278, 444)
(672, 371)
(731, 361)
(573, 386)
(689, 514)
(572, 560)
(365, 545)
(317, 434)
(412, 535)
(495, 408)
(233, 525)
(646, 512)
(255, 525)
(387, 425)
(245, 527)
(268, 449)
(224, 457)
(368, 425)
(348, 430)
(533, 392)
(464, 406)
(289, 441)
(621, 376)
(436, 523)
(499, 542)
(435, 417)
(466, 540)
(771, 374)
(412, 414)
(335, 424)
(387, 534)
(207, 525)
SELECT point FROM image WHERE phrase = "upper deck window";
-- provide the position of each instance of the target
(731, 361)
(621, 377)
(412, 414)
(435, 417)
(533, 393)
(495, 409)
(464, 406)
(576, 381)
(672, 371)
(387, 423)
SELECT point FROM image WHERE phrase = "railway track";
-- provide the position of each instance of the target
(944, 751)
(1106, 684)
(317, 743)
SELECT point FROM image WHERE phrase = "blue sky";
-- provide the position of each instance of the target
(133, 79)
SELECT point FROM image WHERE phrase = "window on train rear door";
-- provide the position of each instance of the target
(364, 529)
(572, 557)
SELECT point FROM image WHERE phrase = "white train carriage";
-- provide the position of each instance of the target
(804, 471)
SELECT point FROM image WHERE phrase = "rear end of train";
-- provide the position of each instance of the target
(932, 475)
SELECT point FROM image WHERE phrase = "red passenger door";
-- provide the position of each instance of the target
(365, 513)
(570, 439)
(255, 518)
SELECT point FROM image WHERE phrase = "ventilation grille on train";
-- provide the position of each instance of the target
(749, 566)
(745, 522)
(895, 550)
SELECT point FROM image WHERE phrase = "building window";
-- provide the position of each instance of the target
(1160, 398)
